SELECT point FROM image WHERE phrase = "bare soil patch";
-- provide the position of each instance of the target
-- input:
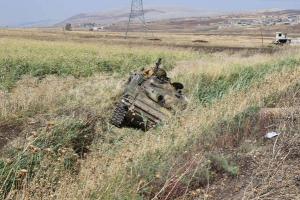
(8, 131)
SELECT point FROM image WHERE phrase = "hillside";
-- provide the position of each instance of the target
(176, 19)
(152, 14)
(56, 98)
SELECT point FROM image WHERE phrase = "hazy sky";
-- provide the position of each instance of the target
(19, 11)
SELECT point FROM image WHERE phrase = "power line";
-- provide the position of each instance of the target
(137, 12)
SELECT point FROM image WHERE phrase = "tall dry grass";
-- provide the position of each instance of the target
(19, 57)
(126, 163)
(167, 39)
(139, 160)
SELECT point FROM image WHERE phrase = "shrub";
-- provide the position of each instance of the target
(211, 87)
(56, 148)
(221, 164)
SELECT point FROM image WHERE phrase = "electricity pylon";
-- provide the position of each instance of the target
(137, 12)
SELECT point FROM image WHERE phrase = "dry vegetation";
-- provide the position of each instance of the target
(183, 40)
(56, 143)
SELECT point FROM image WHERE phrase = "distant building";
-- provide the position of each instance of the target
(89, 25)
(97, 28)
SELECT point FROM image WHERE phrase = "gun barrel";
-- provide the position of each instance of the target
(158, 63)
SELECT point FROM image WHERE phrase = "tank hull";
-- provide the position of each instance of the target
(148, 101)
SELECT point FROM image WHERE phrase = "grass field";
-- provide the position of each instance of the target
(186, 40)
(56, 97)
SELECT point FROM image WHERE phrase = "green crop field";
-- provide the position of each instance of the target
(20, 57)
(56, 98)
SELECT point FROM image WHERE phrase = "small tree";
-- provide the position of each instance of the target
(68, 27)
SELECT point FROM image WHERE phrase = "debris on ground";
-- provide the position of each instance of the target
(154, 39)
(200, 41)
(271, 135)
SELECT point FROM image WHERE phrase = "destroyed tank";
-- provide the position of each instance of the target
(149, 98)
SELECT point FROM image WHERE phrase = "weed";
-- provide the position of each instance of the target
(211, 88)
(63, 141)
(127, 164)
(221, 164)
(39, 59)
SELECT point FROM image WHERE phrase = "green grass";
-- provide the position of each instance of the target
(73, 134)
(38, 59)
(221, 164)
(240, 126)
(211, 88)
(59, 148)
(273, 100)
(128, 166)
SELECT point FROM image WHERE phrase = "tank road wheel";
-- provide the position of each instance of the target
(147, 125)
(119, 115)
(150, 125)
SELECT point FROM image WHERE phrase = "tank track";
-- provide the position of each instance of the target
(149, 125)
(119, 115)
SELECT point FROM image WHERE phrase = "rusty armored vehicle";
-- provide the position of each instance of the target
(149, 98)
